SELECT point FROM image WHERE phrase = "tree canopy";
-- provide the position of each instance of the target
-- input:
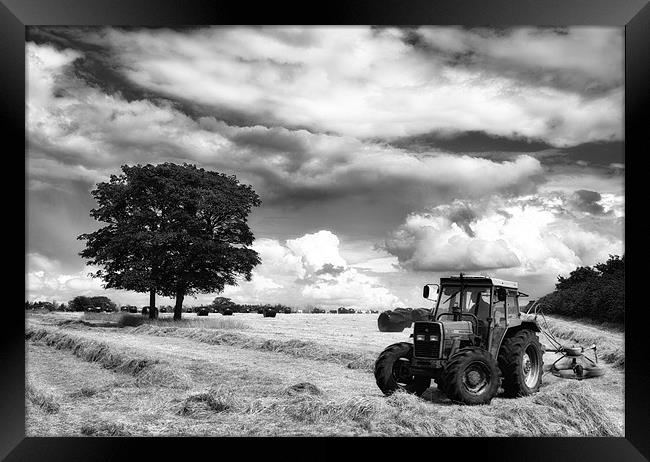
(173, 230)
(597, 292)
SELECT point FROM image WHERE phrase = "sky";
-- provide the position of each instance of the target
(385, 158)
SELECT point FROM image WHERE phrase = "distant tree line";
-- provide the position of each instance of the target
(218, 305)
(80, 303)
(594, 292)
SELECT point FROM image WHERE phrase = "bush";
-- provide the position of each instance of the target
(596, 293)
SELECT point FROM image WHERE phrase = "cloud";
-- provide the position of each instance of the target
(364, 82)
(85, 134)
(309, 270)
(526, 236)
(342, 129)
(588, 201)
(584, 59)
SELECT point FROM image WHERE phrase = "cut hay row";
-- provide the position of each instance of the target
(43, 400)
(147, 371)
(132, 320)
(104, 428)
(206, 323)
(610, 344)
(564, 411)
(293, 347)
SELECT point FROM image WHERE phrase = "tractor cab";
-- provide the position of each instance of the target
(490, 305)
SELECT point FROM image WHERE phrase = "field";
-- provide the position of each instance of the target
(293, 375)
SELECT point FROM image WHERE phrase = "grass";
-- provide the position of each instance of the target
(145, 370)
(292, 347)
(85, 392)
(215, 400)
(237, 390)
(196, 322)
(103, 428)
(566, 411)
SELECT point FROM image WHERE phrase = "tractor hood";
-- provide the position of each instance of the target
(453, 329)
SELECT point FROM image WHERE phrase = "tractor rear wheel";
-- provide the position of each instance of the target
(471, 376)
(521, 363)
(392, 371)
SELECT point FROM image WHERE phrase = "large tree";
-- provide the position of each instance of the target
(174, 230)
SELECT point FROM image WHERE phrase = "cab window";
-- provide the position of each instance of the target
(511, 304)
(498, 310)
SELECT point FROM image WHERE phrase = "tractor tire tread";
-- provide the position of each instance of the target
(509, 359)
(383, 371)
(449, 378)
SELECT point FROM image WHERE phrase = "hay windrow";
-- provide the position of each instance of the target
(293, 347)
(568, 411)
(577, 407)
(43, 400)
(201, 405)
(103, 428)
(146, 371)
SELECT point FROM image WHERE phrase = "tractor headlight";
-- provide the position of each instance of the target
(433, 338)
(419, 338)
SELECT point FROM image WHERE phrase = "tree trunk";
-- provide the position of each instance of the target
(178, 308)
(153, 312)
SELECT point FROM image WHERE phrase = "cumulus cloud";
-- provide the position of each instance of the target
(86, 134)
(366, 82)
(316, 273)
(310, 118)
(45, 280)
(526, 235)
(308, 270)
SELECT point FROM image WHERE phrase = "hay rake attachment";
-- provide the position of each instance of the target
(573, 363)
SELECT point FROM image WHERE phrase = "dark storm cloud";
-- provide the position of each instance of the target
(94, 67)
(98, 67)
(588, 201)
(469, 141)
(463, 216)
(596, 154)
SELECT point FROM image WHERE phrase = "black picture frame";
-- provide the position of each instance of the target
(634, 15)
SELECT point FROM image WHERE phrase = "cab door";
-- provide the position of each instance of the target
(499, 320)
(512, 309)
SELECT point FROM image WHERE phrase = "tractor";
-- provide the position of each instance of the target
(473, 342)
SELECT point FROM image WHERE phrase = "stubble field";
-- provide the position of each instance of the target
(292, 375)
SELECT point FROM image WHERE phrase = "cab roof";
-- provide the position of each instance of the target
(479, 280)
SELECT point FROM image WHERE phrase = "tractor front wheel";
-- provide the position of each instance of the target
(392, 371)
(471, 376)
(521, 363)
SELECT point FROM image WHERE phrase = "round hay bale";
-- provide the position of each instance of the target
(420, 314)
(391, 321)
